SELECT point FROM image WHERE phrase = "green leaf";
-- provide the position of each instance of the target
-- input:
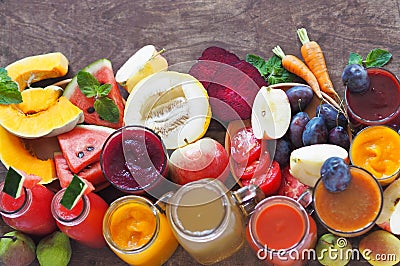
(285, 77)
(9, 93)
(107, 109)
(377, 58)
(103, 90)
(87, 83)
(258, 63)
(4, 75)
(355, 59)
(273, 63)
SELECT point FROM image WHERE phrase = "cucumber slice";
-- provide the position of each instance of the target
(13, 183)
(73, 192)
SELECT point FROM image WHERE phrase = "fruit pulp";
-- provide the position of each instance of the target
(352, 211)
(138, 233)
(281, 228)
(37, 220)
(379, 105)
(133, 159)
(375, 149)
(89, 230)
(206, 222)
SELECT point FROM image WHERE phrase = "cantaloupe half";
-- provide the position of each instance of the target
(38, 67)
(42, 113)
(14, 153)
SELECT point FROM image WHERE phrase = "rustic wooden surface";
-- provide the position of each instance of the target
(89, 30)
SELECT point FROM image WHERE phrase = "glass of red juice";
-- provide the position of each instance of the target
(281, 232)
(134, 159)
(379, 105)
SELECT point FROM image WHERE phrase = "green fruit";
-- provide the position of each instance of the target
(54, 250)
(333, 250)
(16, 249)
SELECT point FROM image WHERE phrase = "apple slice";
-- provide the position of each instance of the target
(271, 113)
(389, 219)
(144, 62)
(306, 162)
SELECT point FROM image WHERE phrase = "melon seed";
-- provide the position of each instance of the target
(80, 154)
(90, 110)
(90, 148)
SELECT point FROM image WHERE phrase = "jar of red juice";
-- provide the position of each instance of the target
(84, 222)
(31, 212)
(379, 105)
(281, 232)
(134, 159)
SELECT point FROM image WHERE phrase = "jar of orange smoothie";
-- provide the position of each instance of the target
(137, 232)
(376, 149)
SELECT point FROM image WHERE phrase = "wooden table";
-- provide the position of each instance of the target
(89, 30)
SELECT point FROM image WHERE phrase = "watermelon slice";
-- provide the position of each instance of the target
(64, 173)
(103, 72)
(82, 145)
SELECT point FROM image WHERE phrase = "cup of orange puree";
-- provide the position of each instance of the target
(138, 232)
(376, 149)
(353, 211)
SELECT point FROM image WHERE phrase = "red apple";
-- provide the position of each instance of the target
(205, 158)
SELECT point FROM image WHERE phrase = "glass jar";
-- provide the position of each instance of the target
(84, 221)
(208, 220)
(137, 231)
(30, 213)
(281, 232)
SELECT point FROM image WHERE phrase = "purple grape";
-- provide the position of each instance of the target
(331, 116)
(299, 97)
(315, 132)
(335, 174)
(355, 78)
(282, 152)
(339, 136)
(296, 128)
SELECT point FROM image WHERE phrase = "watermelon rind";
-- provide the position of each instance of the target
(73, 192)
(13, 183)
(91, 68)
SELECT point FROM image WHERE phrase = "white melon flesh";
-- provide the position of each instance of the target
(271, 114)
(306, 162)
(173, 104)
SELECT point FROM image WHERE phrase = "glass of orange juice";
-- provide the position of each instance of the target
(353, 211)
(138, 232)
(280, 231)
(376, 149)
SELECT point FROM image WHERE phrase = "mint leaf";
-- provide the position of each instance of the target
(103, 90)
(9, 90)
(355, 59)
(286, 76)
(258, 63)
(273, 63)
(87, 83)
(107, 109)
(377, 58)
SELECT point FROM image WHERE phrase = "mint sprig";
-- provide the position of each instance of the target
(9, 91)
(375, 58)
(272, 70)
(103, 105)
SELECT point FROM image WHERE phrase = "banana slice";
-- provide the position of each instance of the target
(146, 61)
(173, 104)
(271, 113)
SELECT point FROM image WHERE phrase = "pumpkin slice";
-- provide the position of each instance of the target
(40, 114)
(13, 153)
(38, 67)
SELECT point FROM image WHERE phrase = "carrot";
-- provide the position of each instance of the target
(315, 60)
(293, 64)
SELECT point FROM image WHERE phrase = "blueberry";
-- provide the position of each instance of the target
(335, 174)
(355, 77)
(315, 132)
